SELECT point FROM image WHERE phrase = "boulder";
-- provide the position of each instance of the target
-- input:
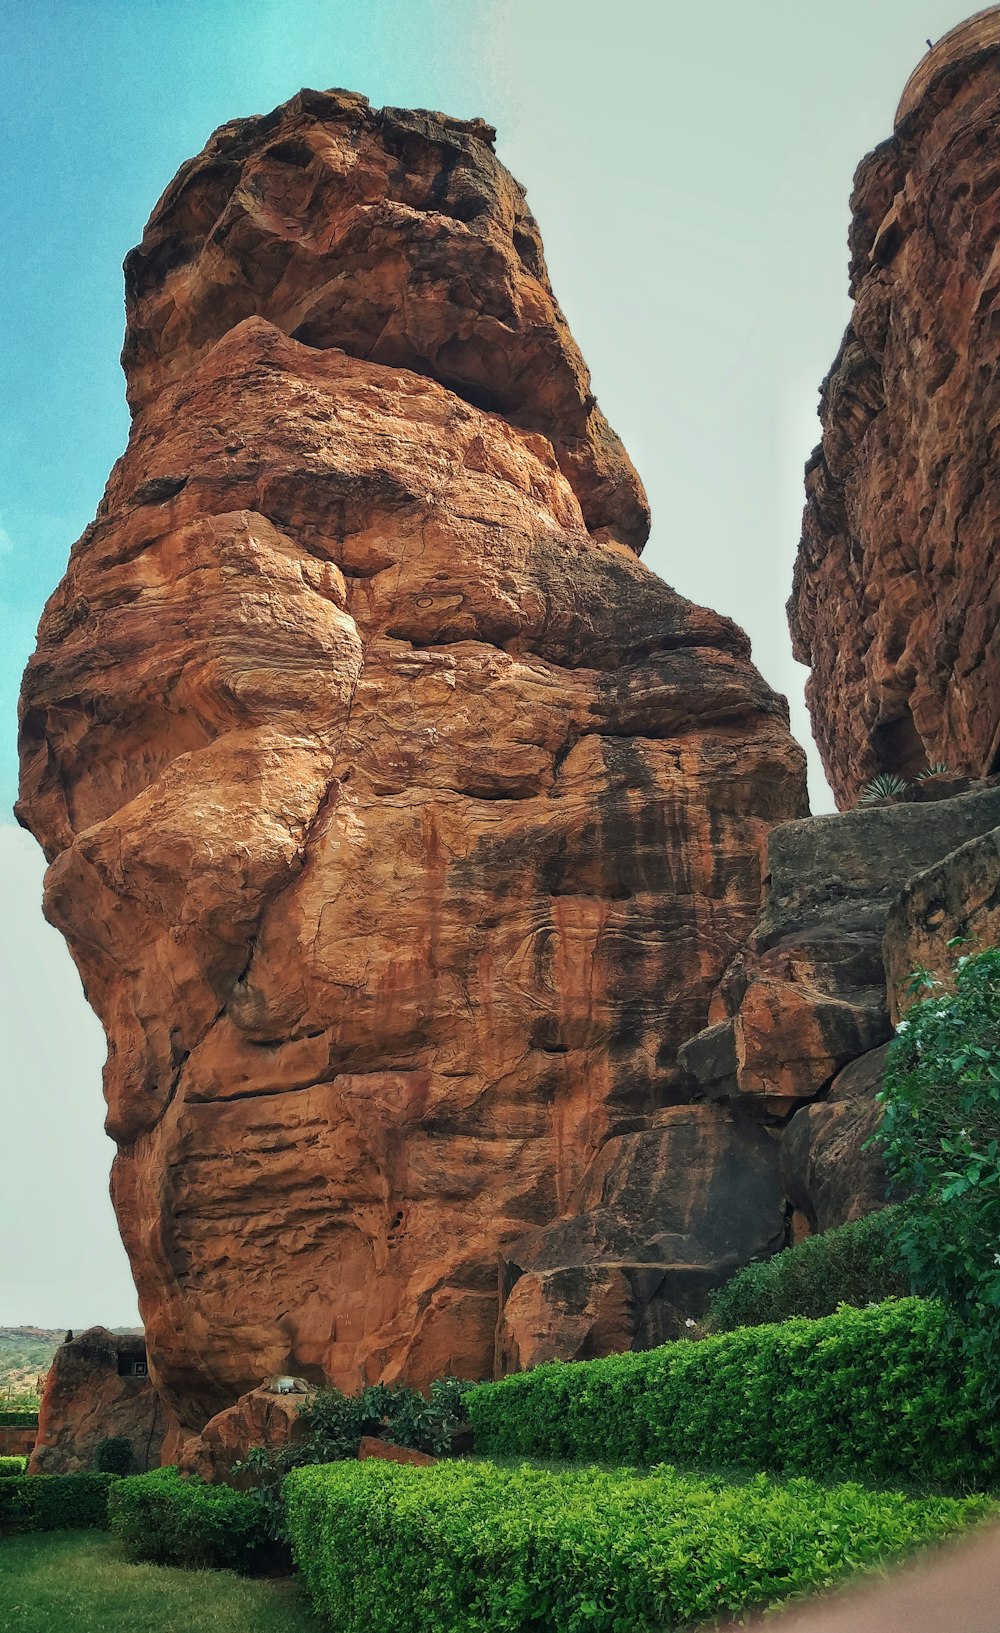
(385, 1452)
(98, 1386)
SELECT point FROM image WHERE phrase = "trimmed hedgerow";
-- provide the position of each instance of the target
(18, 1420)
(11, 1467)
(465, 1546)
(166, 1520)
(858, 1263)
(56, 1502)
(886, 1393)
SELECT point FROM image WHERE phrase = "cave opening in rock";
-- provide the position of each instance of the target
(897, 745)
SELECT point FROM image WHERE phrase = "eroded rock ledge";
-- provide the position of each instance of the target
(400, 822)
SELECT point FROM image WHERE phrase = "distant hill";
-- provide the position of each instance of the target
(25, 1357)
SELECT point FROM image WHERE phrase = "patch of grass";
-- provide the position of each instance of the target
(81, 1581)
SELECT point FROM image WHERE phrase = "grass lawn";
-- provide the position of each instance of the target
(78, 1582)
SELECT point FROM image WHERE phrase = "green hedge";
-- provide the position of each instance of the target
(55, 1502)
(167, 1520)
(885, 1393)
(18, 1420)
(859, 1263)
(465, 1546)
(10, 1467)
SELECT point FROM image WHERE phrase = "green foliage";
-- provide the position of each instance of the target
(886, 1394)
(10, 1467)
(940, 1137)
(466, 1546)
(55, 1502)
(859, 1263)
(114, 1455)
(78, 1582)
(336, 1423)
(19, 1420)
(885, 786)
(167, 1520)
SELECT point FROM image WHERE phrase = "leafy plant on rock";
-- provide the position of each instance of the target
(885, 786)
(336, 1423)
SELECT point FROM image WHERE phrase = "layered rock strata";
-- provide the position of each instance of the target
(896, 599)
(802, 1015)
(400, 822)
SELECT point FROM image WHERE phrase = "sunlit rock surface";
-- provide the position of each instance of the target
(401, 823)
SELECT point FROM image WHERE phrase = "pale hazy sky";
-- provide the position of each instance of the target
(690, 168)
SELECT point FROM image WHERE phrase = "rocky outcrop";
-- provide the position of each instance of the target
(638, 1249)
(801, 1014)
(956, 900)
(262, 1417)
(829, 1173)
(98, 1386)
(896, 600)
(401, 823)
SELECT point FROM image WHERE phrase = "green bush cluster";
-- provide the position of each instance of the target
(55, 1502)
(858, 1263)
(467, 1546)
(10, 1467)
(335, 1424)
(18, 1420)
(940, 1137)
(166, 1520)
(886, 1393)
(114, 1455)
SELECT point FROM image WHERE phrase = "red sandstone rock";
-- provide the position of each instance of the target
(386, 1452)
(400, 822)
(98, 1386)
(896, 601)
(392, 235)
(259, 1418)
(957, 897)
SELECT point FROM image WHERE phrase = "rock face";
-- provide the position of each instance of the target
(802, 1013)
(896, 600)
(957, 897)
(98, 1386)
(401, 823)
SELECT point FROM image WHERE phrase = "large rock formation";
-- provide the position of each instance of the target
(98, 1386)
(896, 601)
(401, 823)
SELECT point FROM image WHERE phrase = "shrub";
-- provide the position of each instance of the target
(885, 1393)
(114, 1455)
(18, 1420)
(10, 1467)
(940, 1136)
(54, 1502)
(467, 1546)
(858, 1263)
(887, 785)
(336, 1423)
(167, 1520)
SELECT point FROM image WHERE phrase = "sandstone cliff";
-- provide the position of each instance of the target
(896, 600)
(400, 822)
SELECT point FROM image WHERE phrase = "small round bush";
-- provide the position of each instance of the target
(114, 1455)
(859, 1263)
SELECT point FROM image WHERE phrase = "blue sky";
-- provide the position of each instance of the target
(690, 169)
